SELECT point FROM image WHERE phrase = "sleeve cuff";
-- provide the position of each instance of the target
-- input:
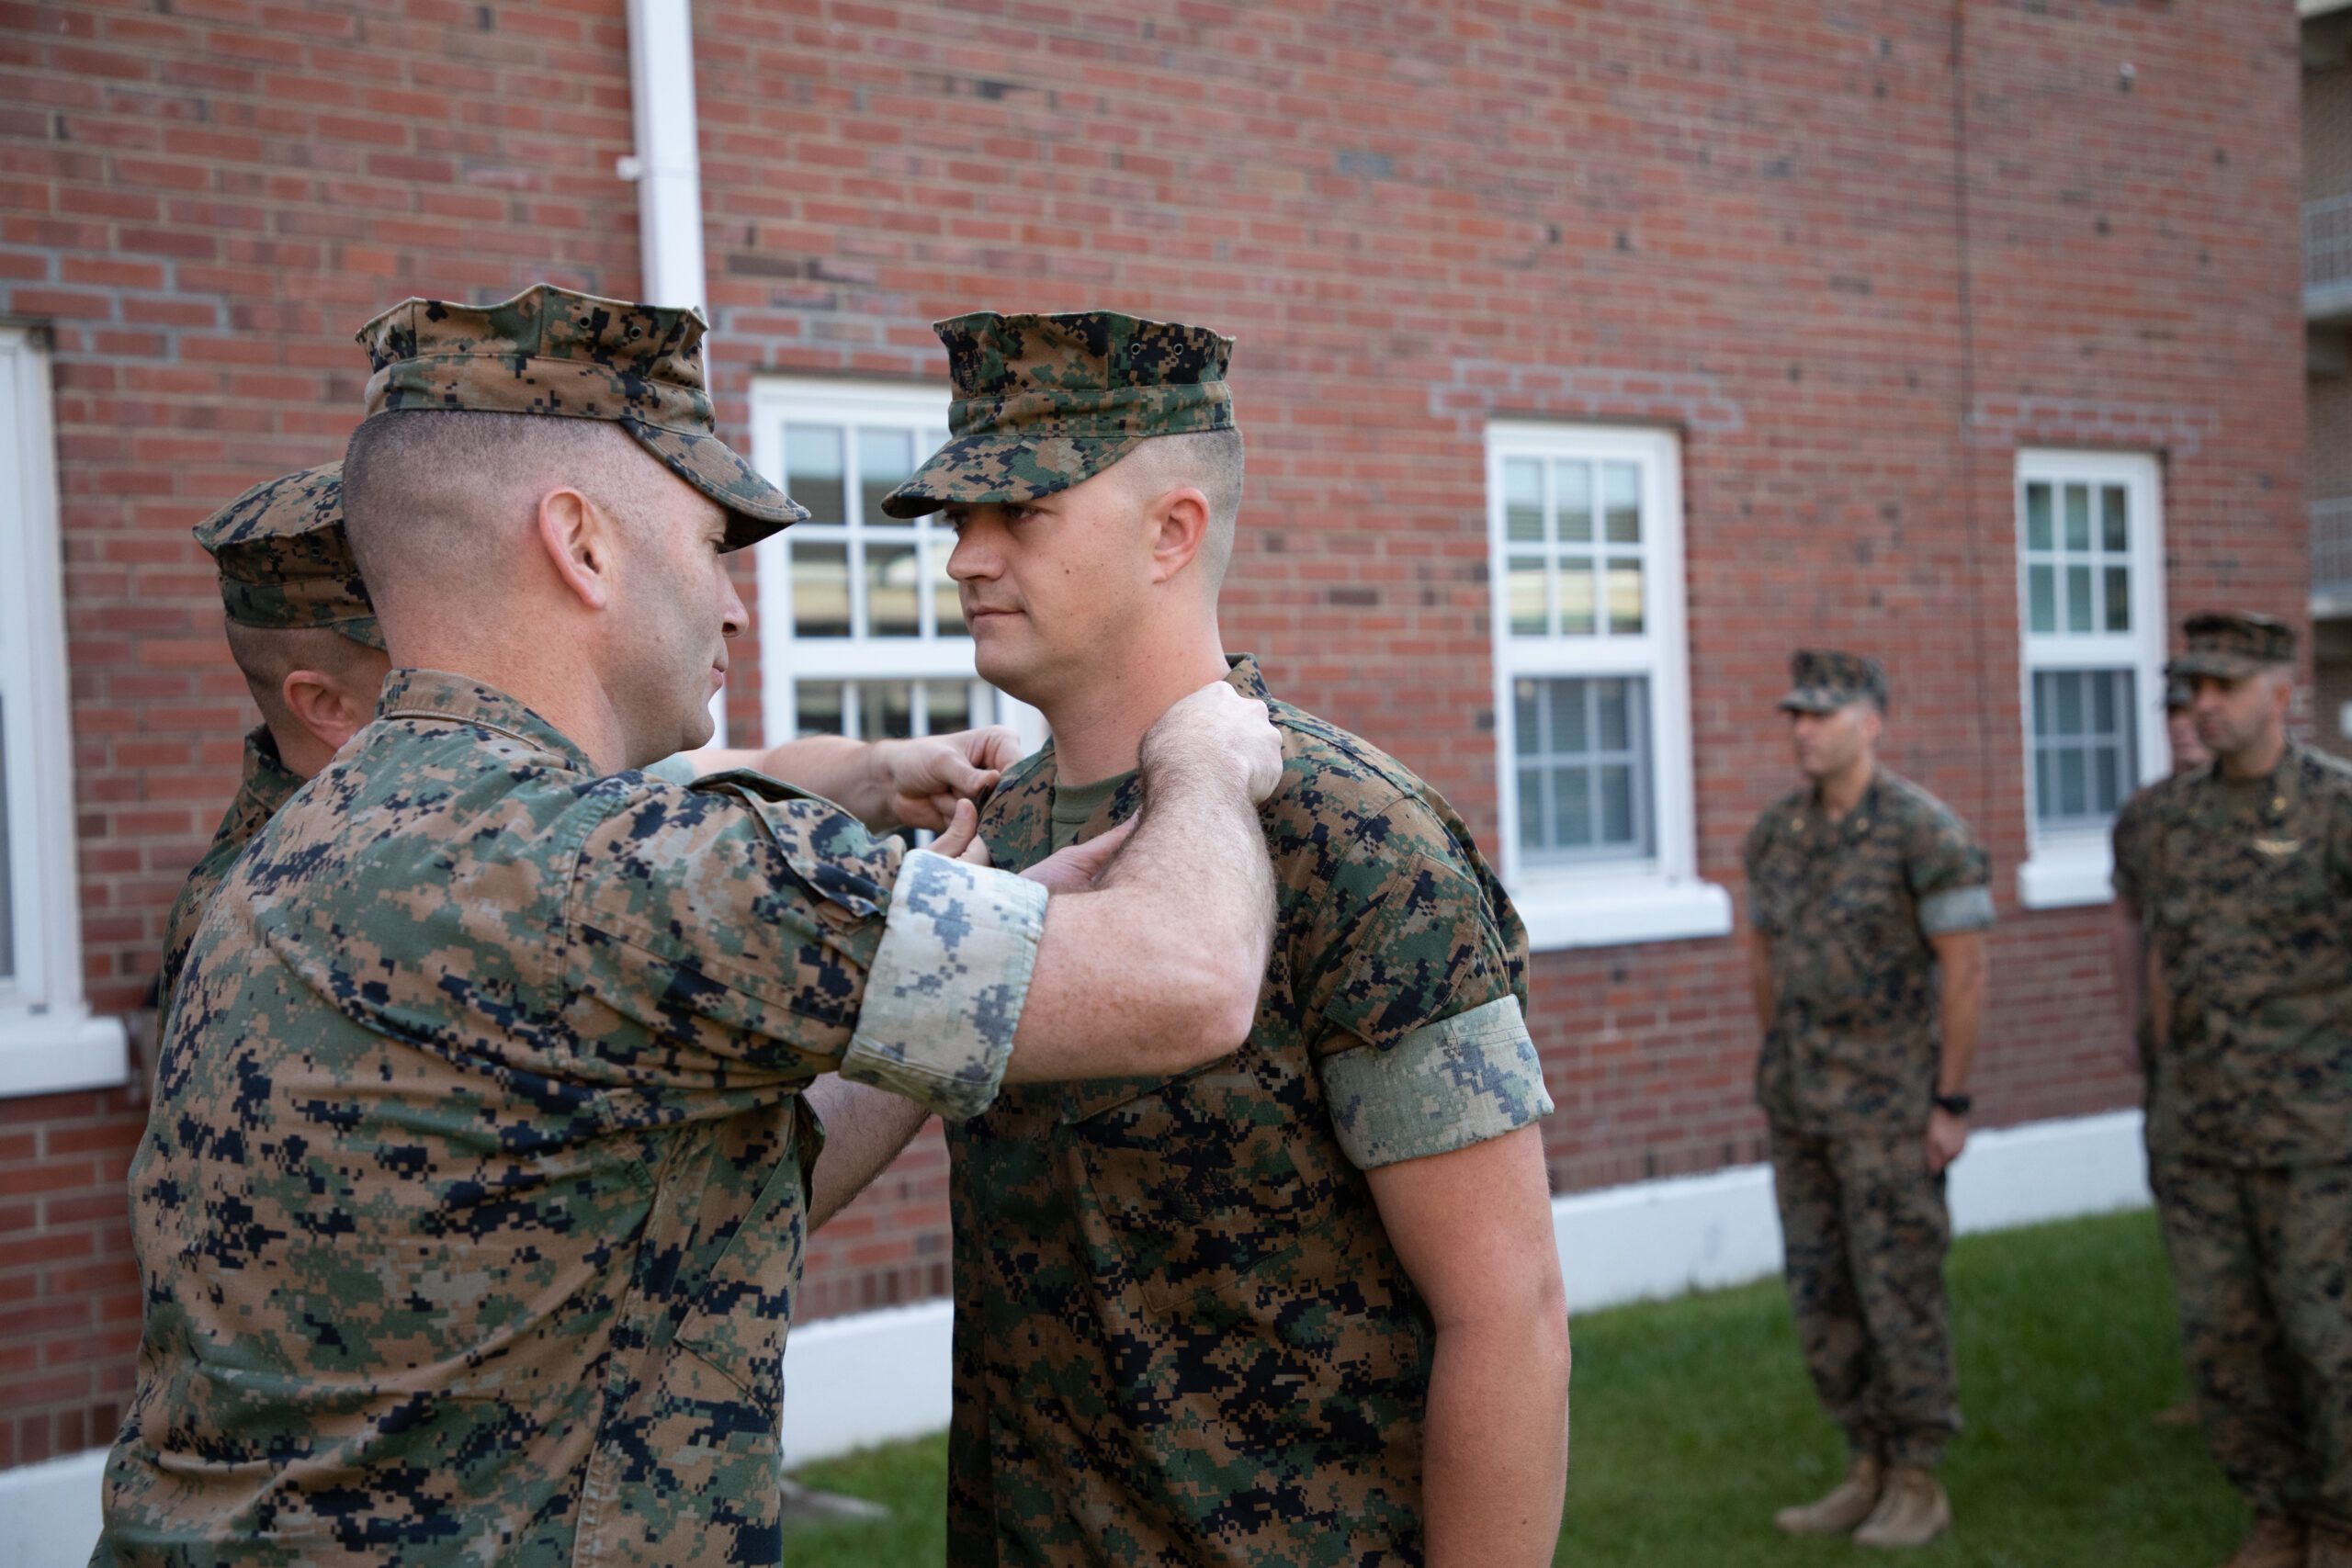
(1956, 910)
(947, 985)
(1445, 1086)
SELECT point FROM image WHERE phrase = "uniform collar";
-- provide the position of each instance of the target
(264, 767)
(1857, 821)
(2279, 788)
(1241, 673)
(458, 699)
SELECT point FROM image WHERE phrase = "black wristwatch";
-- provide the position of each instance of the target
(1953, 1104)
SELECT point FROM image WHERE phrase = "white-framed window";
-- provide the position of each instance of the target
(861, 633)
(1592, 706)
(49, 1042)
(2091, 615)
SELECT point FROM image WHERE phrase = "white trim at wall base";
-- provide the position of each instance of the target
(853, 1381)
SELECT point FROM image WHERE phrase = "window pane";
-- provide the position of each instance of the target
(2069, 719)
(1522, 500)
(1568, 736)
(947, 706)
(1527, 737)
(1572, 501)
(2114, 528)
(2042, 599)
(1608, 698)
(816, 708)
(947, 606)
(7, 878)
(2078, 517)
(2045, 786)
(1526, 594)
(1576, 598)
(812, 470)
(884, 457)
(1617, 803)
(1621, 485)
(2038, 535)
(2078, 598)
(1531, 816)
(2105, 789)
(1625, 596)
(890, 588)
(2118, 598)
(2074, 795)
(885, 710)
(1572, 811)
(819, 590)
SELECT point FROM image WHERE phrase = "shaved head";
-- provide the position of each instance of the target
(1208, 461)
(267, 655)
(437, 502)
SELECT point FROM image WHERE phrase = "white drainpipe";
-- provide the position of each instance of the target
(667, 168)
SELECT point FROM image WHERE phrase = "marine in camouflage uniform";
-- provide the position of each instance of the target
(471, 1204)
(2248, 902)
(1847, 909)
(1183, 1334)
(284, 564)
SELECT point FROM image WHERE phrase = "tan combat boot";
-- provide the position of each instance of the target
(1848, 1504)
(2274, 1542)
(1912, 1511)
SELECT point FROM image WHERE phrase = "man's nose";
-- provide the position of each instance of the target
(970, 558)
(733, 617)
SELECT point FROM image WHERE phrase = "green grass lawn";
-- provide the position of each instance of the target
(1694, 1421)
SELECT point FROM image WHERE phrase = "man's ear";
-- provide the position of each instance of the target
(325, 706)
(578, 538)
(1178, 524)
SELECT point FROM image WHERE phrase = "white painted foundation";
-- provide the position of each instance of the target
(851, 1382)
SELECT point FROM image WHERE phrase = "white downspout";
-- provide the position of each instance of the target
(667, 168)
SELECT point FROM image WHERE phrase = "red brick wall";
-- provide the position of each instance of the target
(1740, 221)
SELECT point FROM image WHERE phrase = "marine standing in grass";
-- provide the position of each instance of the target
(1302, 1306)
(1868, 901)
(2248, 885)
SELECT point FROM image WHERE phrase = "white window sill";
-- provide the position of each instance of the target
(2068, 873)
(47, 1053)
(1597, 909)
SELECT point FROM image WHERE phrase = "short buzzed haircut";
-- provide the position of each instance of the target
(1210, 460)
(422, 490)
(267, 655)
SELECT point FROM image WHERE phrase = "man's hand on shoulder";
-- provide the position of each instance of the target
(1219, 732)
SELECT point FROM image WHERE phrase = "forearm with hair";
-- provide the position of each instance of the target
(865, 1129)
(1157, 968)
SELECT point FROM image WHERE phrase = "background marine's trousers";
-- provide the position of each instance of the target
(1865, 1229)
(2262, 1262)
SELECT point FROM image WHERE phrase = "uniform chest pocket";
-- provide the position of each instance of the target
(1191, 1180)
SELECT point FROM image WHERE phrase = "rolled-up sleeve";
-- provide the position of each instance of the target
(1445, 1086)
(947, 985)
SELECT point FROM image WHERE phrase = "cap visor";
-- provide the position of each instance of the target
(2219, 666)
(1813, 699)
(754, 507)
(992, 468)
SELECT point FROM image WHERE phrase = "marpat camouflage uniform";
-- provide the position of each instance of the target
(284, 564)
(265, 787)
(2249, 907)
(1183, 1335)
(1848, 1075)
(471, 1203)
(470, 1209)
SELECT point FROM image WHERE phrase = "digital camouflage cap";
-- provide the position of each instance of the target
(2232, 645)
(1045, 402)
(284, 560)
(552, 352)
(1822, 679)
